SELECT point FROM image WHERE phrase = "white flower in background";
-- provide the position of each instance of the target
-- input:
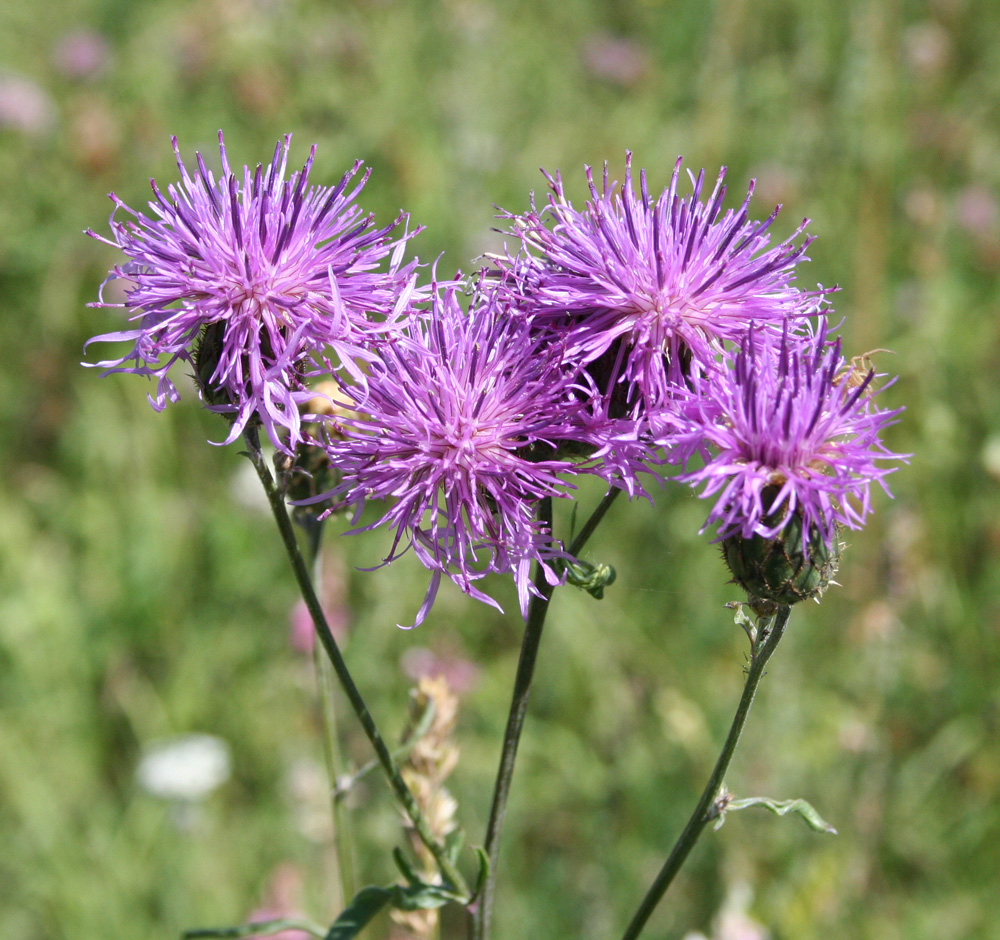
(185, 768)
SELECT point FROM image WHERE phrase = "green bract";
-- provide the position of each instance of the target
(784, 570)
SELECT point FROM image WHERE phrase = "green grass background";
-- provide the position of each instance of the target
(142, 594)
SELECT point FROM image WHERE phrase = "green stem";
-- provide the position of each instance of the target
(344, 784)
(399, 787)
(577, 545)
(708, 808)
(343, 843)
(537, 609)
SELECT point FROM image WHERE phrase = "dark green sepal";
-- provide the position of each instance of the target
(782, 570)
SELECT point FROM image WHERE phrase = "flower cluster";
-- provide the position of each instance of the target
(635, 333)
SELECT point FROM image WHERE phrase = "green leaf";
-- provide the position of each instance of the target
(355, 917)
(405, 868)
(742, 620)
(421, 897)
(260, 928)
(783, 807)
(484, 870)
(453, 843)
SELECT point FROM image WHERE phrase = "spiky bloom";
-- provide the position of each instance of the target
(255, 280)
(794, 429)
(458, 430)
(663, 282)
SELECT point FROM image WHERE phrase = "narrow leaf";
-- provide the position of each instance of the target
(783, 807)
(453, 843)
(261, 928)
(484, 870)
(421, 897)
(742, 620)
(404, 866)
(355, 917)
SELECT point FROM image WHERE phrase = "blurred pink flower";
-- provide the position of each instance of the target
(25, 106)
(419, 662)
(927, 48)
(302, 633)
(81, 54)
(615, 59)
(283, 890)
(333, 597)
(976, 210)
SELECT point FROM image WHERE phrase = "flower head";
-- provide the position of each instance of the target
(459, 428)
(255, 280)
(665, 280)
(794, 430)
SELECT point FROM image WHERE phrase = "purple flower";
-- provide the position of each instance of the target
(459, 429)
(794, 429)
(255, 283)
(666, 281)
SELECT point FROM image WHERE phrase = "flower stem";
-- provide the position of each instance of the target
(343, 844)
(577, 545)
(399, 787)
(537, 609)
(708, 807)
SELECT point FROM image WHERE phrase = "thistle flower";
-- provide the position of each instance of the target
(255, 283)
(459, 427)
(659, 285)
(795, 431)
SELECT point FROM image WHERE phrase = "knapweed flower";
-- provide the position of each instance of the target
(795, 432)
(254, 280)
(658, 285)
(458, 431)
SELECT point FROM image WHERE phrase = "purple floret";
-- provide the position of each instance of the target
(667, 280)
(458, 430)
(793, 428)
(267, 276)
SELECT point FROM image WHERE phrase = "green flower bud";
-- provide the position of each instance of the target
(781, 571)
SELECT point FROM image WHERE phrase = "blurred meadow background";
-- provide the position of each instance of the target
(143, 594)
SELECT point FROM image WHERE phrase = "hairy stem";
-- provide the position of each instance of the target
(537, 609)
(399, 787)
(708, 809)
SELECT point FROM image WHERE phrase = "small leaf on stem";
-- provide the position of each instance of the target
(782, 808)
